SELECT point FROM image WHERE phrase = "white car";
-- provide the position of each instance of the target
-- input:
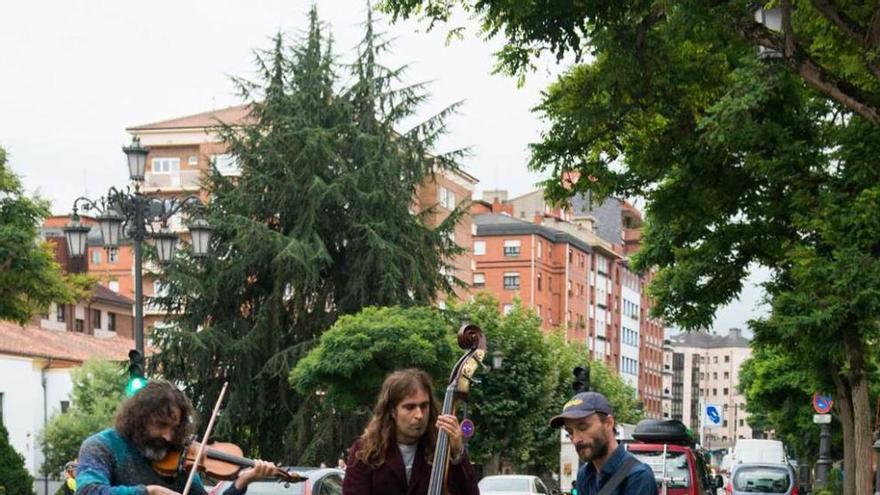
(512, 484)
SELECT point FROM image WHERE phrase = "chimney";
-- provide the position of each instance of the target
(735, 332)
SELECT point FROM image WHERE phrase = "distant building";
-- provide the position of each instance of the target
(709, 366)
(35, 383)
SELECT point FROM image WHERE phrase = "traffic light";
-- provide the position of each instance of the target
(136, 379)
(581, 381)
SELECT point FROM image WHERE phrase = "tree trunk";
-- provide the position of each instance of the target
(492, 465)
(861, 411)
(844, 405)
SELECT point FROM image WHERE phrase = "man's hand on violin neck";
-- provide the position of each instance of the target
(160, 490)
(261, 469)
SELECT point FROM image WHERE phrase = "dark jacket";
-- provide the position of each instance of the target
(390, 477)
(639, 481)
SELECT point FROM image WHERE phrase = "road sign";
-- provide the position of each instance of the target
(712, 415)
(822, 403)
(822, 419)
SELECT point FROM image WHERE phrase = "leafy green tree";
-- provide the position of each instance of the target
(831, 46)
(512, 406)
(741, 160)
(98, 389)
(778, 386)
(14, 478)
(30, 279)
(317, 226)
(349, 365)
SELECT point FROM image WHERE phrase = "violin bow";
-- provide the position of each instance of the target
(203, 444)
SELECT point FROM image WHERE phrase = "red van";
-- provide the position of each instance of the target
(679, 466)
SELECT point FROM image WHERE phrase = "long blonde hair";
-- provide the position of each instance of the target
(381, 430)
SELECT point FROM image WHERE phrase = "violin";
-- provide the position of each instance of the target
(470, 337)
(221, 461)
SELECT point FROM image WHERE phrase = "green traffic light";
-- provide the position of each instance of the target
(134, 384)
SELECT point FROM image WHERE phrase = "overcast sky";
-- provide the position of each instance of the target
(76, 73)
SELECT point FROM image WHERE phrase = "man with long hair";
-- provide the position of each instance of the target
(153, 422)
(395, 453)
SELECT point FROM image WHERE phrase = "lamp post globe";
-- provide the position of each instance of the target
(110, 224)
(137, 159)
(166, 244)
(201, 232)
(77, 236)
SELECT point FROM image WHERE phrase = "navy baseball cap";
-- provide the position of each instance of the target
(580, 406)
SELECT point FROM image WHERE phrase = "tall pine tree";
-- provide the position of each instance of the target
(318, 225)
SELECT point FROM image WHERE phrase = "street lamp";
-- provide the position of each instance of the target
(137, 213)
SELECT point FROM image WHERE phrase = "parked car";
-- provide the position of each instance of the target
(512, 484)
(759, 450)
(765, 477)
(320, 482)
(668, 447)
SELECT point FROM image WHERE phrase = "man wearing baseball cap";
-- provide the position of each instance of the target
(609, 469)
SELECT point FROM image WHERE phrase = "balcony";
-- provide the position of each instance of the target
(182, 180)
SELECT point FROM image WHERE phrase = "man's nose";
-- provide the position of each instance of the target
(419, 414)
(168, 434)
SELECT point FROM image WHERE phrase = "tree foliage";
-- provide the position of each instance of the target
(318, 225)
(98, 389)
(831, 46)
(30, 279)
(14, 478)
(349, 365)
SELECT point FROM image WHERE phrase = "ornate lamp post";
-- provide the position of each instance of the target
(137, 214)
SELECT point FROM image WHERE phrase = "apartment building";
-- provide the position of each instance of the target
(711, 366)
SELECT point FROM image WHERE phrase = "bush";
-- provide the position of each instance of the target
(14, 478)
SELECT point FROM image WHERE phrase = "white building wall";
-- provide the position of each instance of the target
(629, 336)
(23, 403)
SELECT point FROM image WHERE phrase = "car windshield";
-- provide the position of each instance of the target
(761, 480)
(677, 474)
(504, 484)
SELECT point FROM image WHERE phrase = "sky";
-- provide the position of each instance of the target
(75, 73)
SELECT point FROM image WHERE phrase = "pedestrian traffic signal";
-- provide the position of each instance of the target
(136, 379)
(581, 381)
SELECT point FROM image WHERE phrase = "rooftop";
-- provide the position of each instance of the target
(31, 341)
(500, 224)
(237, 115)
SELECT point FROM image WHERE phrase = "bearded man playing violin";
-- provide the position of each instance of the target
(394, 454)
(157, 420)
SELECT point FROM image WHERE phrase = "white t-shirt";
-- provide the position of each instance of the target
(408, 452)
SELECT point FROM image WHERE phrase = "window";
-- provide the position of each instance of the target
(65, 405)
(715, 360)
(166, 165)
(715, 375)
(193, 160)
(479, 280)
(479, 248)
(59, 313)
(725, 423)
(726, 391)
(726, 359)
(78, 325)
(742, 422)
(726, 375)
(511, 280)
(111, 322)
(714, 391)
(112, 255)
(540, 248)
(540, 278)
(96, 319)
(96, 257)
(446, 197)
(511, 248)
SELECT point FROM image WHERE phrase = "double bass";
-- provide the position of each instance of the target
(471, 338)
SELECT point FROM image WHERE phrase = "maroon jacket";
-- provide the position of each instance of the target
(390, 477)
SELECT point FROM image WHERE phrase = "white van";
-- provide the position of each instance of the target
(752, 450)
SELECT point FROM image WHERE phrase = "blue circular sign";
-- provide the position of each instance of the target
(467, 428)
(822, 403)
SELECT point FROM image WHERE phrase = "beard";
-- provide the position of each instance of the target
(595, 450)
(155, 449)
